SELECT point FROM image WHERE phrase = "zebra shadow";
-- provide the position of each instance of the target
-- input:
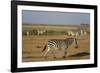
(80, 54)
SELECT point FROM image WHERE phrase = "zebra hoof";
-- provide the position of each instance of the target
(45, 57)
(64, 56)
(54, 57)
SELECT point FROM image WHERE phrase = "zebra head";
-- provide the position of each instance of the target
(71, 41)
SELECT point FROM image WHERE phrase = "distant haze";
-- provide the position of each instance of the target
(52, 17)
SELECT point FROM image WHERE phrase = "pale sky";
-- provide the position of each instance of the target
(51, 17)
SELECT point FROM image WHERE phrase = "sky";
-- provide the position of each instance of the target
(52, 17)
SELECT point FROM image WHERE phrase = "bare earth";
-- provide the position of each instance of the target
(32, 47)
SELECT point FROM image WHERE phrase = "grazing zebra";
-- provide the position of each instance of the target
(40, 32)
(55, 44)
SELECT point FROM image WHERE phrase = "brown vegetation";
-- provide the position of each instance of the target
(33, 46)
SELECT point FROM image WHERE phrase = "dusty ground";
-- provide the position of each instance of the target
(33, 46)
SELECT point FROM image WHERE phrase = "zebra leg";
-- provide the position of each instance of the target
(65, 52)
(45, 54)
(53, 52)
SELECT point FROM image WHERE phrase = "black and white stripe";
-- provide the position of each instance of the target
(55, 44)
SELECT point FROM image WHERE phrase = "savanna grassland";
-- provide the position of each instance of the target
(34, 42)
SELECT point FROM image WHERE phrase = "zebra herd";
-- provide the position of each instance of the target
(55, 44)
(67, 33)
(77, 33)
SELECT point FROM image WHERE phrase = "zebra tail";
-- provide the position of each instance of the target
(44, 48)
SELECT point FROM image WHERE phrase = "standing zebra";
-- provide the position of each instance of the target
(55, 44)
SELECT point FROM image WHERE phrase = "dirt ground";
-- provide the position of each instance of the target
(32, 47)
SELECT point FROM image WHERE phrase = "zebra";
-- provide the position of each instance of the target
(40, 32)
(55, 44)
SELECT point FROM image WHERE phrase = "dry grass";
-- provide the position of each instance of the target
(33, 46)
